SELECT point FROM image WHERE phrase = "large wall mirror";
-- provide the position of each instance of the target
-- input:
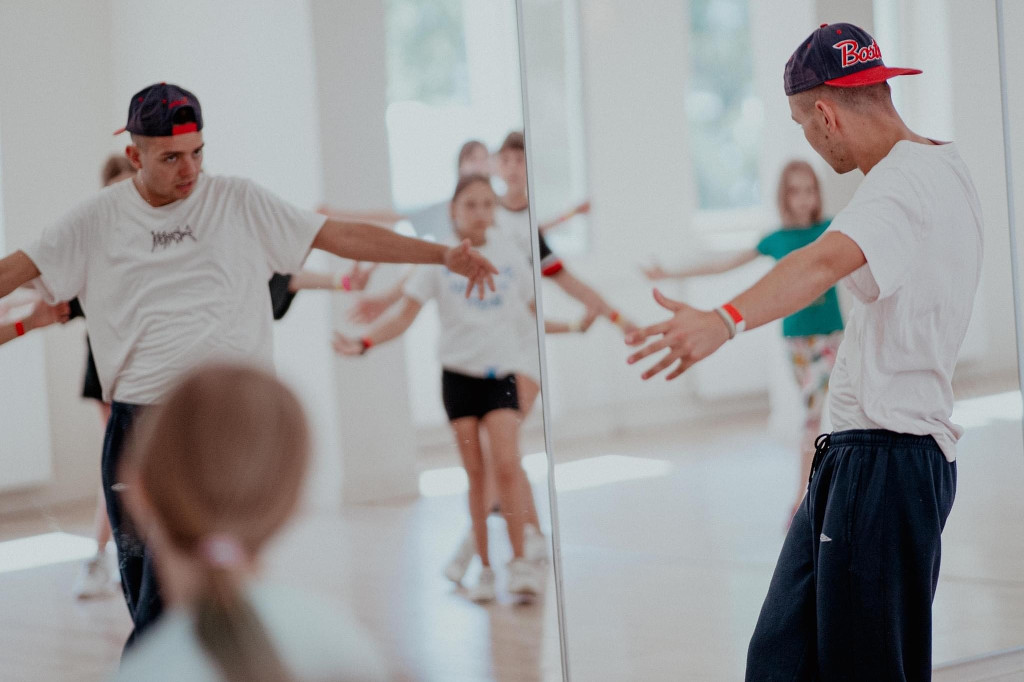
(354, 107)
(674, 497)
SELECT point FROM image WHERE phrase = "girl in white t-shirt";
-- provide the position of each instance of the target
(215, 472)
(481, 352)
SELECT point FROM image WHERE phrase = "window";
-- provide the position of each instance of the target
(725, 116)
(453, 75)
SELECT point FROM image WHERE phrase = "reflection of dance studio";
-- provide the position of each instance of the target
(453, 496)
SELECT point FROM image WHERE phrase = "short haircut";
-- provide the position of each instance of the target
(468, 148)
(861, 98)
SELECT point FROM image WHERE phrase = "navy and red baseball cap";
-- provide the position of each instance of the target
(842, 55)
(161, 110)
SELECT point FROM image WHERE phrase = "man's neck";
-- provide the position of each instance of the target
(881, 134)
(140, 187)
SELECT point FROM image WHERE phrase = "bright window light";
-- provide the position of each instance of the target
(983, 411)
(577, 475)
(44, 550)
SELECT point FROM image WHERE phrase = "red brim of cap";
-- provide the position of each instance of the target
(875, 74)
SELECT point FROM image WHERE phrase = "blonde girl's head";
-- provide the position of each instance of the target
(218, 469)
(799, 195)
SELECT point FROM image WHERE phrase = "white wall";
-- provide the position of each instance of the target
(55, 122)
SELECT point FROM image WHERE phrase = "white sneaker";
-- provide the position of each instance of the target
(483, 591)
(459, 564)
(523, 578)
(535, 546)
(95, 579)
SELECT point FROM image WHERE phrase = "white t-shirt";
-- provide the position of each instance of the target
(165, 289)
(917, 218)
(517, 225)
(316, 643)
(483, 338)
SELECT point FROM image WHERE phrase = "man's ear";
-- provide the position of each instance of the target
(132, 152)
(827, 112)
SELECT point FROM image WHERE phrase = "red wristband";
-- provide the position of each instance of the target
(367, 343)
(19, 328)
(741, 324)
(346, 283)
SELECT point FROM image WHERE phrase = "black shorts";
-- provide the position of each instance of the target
(466, 396)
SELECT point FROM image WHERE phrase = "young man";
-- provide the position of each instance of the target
(171, 269)
(852, 593)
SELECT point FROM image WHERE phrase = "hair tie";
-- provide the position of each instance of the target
(222, 550)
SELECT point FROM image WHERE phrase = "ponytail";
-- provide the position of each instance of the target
(226, 624)
(231, 633)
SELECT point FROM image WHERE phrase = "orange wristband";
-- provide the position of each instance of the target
(615, 316)
(19, 328)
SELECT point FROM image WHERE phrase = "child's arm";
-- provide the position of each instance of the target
(382, 333)
(42, 315)
(586, 295)
(565, 217)
(355, 280)
(553, 327)
(715, 267)
(369, 308)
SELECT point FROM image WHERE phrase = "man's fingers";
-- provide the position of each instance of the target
(638, 336)
(650, 348)
(664, 364)
(682, 367)
(666, 302)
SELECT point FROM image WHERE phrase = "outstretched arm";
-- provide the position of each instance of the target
(691, 335)
(42, 315)
(715, 267)
(586, 295)
(382, 333)
(15, 270)
(355, 279)
(565, 217)
(558, 327)
(362, 242)
(369, 308)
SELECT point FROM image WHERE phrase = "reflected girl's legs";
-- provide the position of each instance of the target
(503, 431)
(467, 436)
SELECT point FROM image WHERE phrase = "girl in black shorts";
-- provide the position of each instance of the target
(480, 351)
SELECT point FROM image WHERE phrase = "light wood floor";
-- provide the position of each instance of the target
(667, 556)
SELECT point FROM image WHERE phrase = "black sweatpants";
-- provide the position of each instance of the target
(138, 572)
(851, 597)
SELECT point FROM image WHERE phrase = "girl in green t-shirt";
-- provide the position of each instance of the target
(813, 334)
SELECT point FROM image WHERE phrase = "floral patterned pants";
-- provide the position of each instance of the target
(813, 358)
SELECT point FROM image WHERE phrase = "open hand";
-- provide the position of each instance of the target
(369, 308)
(346, 345)
(690, 335)
(470, 263)
(359, 277)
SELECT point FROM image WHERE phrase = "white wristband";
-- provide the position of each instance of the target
(732, 318)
